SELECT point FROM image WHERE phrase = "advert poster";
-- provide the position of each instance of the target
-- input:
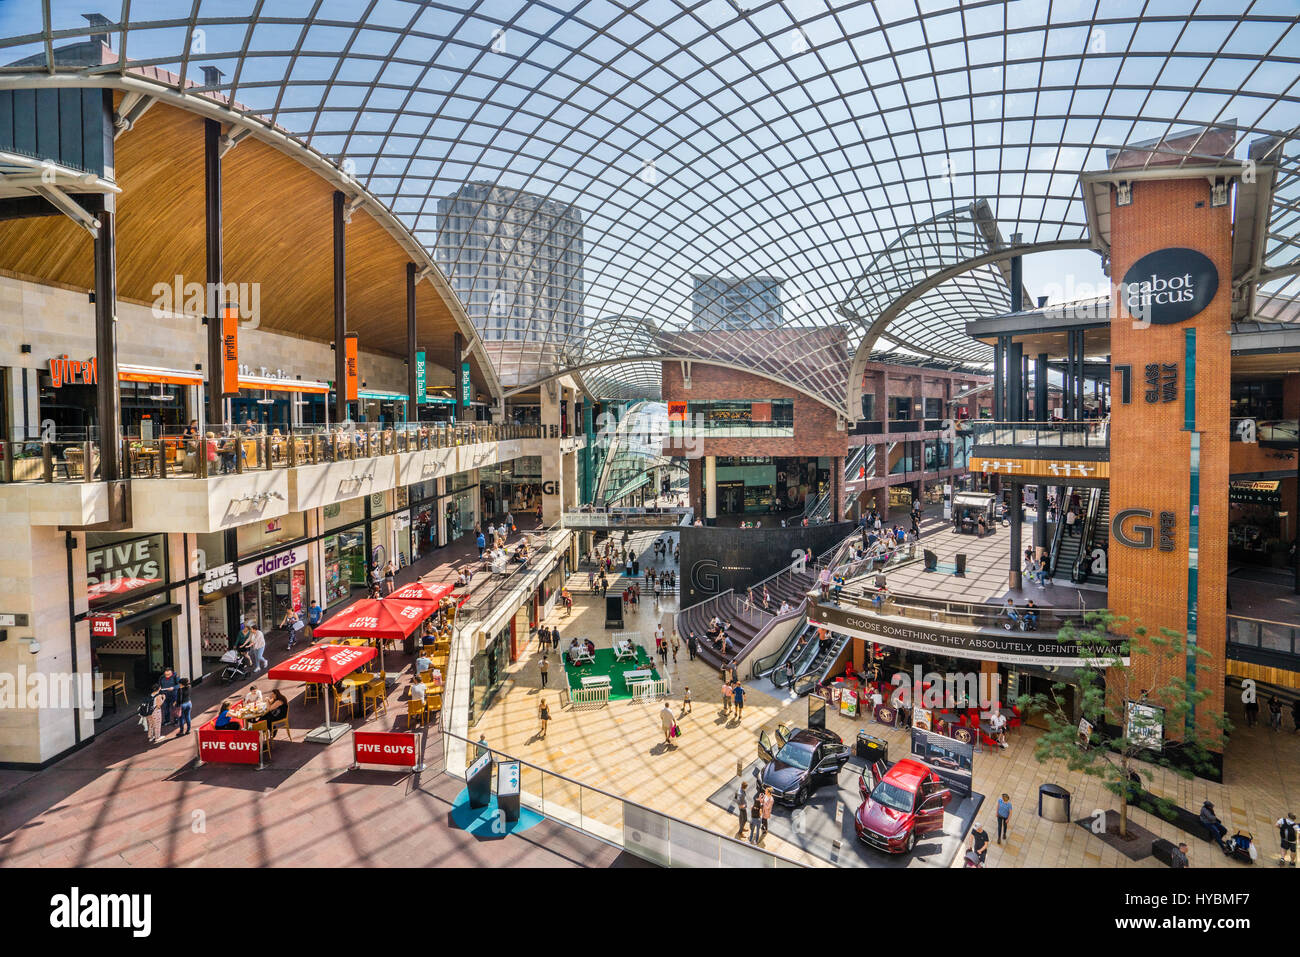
(952, 760)
(350, 366)
(1146, 725)
(885, 714)
(921, 719)
(230, 352)
(849, 703)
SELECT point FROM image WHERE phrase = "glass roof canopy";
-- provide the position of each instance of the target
(760, 183)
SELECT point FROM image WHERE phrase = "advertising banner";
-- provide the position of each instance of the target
(229, 747)
(350, 366)
(952, 760)
(849, 703)
(466, 387)
(986, 644)
(229, 352)
(396, 749)
(420, 387)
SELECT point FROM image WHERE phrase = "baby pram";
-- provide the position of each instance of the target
(235, 666)
(1241, 845)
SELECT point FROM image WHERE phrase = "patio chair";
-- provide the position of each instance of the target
(264, 735)
(375, 694)
(415, 710)
(283, 723)
(311, 692)
(341, 701)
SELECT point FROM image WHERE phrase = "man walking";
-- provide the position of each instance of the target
(691, 643)
(1004, 816)
(979, 842)
(545, 667)
(481, 542)
(738, 696)
(1286, 832)
(314, 614)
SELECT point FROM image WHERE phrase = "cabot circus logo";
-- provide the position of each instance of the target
(1169, 286)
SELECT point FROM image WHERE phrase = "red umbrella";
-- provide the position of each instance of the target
(373, 618)
(322, 664)
(421, 592)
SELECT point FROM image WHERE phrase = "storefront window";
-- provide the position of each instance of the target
(122, 568)
(342, 514)
(262, 536)
(345, 565)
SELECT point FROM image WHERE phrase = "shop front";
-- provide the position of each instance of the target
(422, 516)
(488, 672)
(127, 583)
(273, 585)
(458, 506)
(345, 551)
(1260, 528)
(380, 407)
(155, 401)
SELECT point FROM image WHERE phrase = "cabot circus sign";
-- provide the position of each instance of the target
(1169, 286)
(252, 571)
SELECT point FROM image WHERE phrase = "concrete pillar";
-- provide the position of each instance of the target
(710, 490)
(553, 484)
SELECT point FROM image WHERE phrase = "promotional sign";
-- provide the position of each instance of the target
(230, 352)
(885, 714)
(229, 747)
(396, 749)
(921, 719)
(1009, 647)
(420, 390)
(1039, 468)
(250, 572)
(466, 389)
(1169, 286)
(478, 781)
(849, 703)
(351, 371)
(676, 411)
(508, 790)
(952, 760)
(102, 626)
(1145, 725)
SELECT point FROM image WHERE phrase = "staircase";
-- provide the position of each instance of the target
(860, 458)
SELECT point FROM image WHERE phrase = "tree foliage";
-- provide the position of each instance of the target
(1118, 751)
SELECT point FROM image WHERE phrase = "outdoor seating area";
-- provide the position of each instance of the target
(620, 671)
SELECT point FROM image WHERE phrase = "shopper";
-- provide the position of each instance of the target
(1286, 832)
(726, 697)
(481, 542)
(185, 707)
(544, 667)
(150, 712)
(742, 807)
(256, 647)
(1275, 713)
(314, 615)
(1178, 857)
(293, 623)
(686, 700)
(675, 644)
(756, 817)
(979, 842)
(390, 577)
(691, 644)
(1004, 816)
(669, 724)
(768, 801)
(738, 697)
(543, 714)
(168, 685)
(1252, 712)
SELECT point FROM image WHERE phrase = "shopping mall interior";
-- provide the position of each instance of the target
(597, 417)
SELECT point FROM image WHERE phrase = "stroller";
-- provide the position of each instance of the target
(1241, 846)
(236, 666)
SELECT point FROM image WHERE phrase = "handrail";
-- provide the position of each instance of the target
(1062, 503)
(761, 667)
(1069, 433)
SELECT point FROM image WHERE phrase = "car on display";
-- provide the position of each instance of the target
(906, 801)
(799, 760)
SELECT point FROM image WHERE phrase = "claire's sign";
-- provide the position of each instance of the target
(392, 748)
(1169, 286)
(229, 747)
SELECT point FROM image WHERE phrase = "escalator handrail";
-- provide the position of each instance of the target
(1062, 503)
(760, 667)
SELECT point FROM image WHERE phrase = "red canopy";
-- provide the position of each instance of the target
(371, 618)
(325, 664)
(421, 591)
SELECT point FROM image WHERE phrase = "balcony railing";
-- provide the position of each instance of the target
(1088, 433)
(233, 451)
(968, 614)
(1264, 642)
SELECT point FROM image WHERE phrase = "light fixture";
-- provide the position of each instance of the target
(1219, 193)
(1124, 193)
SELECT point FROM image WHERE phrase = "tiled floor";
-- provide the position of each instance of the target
(621, 749)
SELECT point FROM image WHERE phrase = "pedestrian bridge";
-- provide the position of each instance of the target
(634, 518)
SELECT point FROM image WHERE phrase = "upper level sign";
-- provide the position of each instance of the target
(1169, 286)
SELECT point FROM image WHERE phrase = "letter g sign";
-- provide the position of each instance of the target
(1145, 533)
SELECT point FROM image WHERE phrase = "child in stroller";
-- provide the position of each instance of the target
(1241, 845)
(236, 664)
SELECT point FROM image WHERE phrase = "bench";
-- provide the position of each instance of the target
(595, 681)
(1182, 818)
(1163, 851)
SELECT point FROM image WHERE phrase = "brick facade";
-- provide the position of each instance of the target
(815, 431)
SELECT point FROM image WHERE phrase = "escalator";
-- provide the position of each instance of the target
(821, 664)
(802, 657)
(1096, 534)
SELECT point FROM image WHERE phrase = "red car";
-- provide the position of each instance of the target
(908, 800)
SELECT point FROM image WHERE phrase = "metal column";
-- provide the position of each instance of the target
(412, 385)
(108, 401)
(213, 232)
(341, 413)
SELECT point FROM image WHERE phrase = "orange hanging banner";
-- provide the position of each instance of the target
(350, 357)
(229, 351)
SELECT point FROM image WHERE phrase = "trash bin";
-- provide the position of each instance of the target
(1054, 803)
(872, 749)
